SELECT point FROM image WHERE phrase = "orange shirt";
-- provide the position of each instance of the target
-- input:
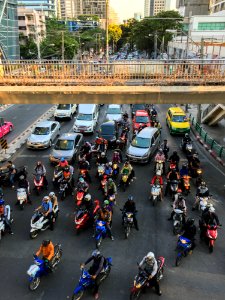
(47, 252)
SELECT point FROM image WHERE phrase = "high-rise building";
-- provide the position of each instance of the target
(216, 6)
(49, 7)
(113, 16)
(94, 7)
(9, 36)
(189, 8)
(153, 7)
(137, 16)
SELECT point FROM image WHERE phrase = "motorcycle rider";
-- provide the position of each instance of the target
(47, 251)
(63, 163)
(85, 150)
(12, 173)
(179, 203)
(108, 169)
(41, 170)
(209, 217)
(118, 149)
(54, 201)
(82, 185)
(158, 180)
(190, 231)
(4, 216)
(87, 203)
(165, 148)
(171, 176)
(160, 157)
(110, 188)
(83, 164)
(194, 164)
(124, 123)
(47, 208)
(24, 183)
(186, 140)
(150, 266)
(184, 172)
(101, 159)
(130, 206)
(116, 157)
(101, 144)
(99, 263)
(127, 169)
(106, 216)
(202, 191)
(175, 158)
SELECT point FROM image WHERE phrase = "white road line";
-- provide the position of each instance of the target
(32, 155)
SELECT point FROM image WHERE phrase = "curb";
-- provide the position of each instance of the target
(211, 152)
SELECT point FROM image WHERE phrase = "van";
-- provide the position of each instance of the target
(87, 118)
(109, 131)
(65, 111)
(177, 121)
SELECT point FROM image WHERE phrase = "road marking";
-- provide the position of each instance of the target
(32, 155)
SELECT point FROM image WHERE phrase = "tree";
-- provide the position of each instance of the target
(28, 47)
(127, 33)
(115, 33)
(88, 18)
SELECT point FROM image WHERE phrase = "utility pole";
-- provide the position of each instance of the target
(63, 47)
(155, 45)
(107, 30)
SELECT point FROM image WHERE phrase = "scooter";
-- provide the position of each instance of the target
(172, 166)
(100, 232)
(40, 223)
(183, 247)
(204, 202)
(124, 181)
(128, 222)
(39, 268)
(101, 171)
(38, 183)
(159, 166)
(211, 236)
(2, 221)
(21, 197)
(155, 194)
(83, 218)
(116, 170)
(63, 188)
(79, 197)
(141, 280)
(58, 173)
(173, 188)
(186, 184)
(86, 280)
(178, 221)
(103, 183)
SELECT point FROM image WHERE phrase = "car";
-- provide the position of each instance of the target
(65, 111)
(109, 131)
(135, 107)
(114, 112)
(177, 121)
(43, 135)
(141, 118)
(144, 145)
(5, 127)
(67, 146)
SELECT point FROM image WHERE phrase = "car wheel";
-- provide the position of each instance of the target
(71, 116)
(10, 128)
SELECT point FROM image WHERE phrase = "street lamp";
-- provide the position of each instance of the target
(107, 30)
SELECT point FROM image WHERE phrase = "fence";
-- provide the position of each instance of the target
(217, 148)
(172, 72)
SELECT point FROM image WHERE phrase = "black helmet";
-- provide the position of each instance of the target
(180, 197)
(190, 221)
(174, 152)
(67, 169)
(174, 170)
(96, 253)
(130, 198)
(45, 243)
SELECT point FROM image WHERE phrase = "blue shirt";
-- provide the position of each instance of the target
(47, 206)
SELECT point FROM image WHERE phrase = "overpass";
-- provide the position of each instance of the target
(174, 81)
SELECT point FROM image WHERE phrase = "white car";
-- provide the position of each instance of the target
(43, 135)
(65, 111)
(114, 112)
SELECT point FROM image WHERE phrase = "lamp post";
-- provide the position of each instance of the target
(107, 30)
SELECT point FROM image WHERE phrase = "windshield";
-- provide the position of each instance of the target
(179, 119)
(141, 119)
(85, 117)
(138, 107)
(41, 131)
(140, 142)
(63, 106)
(113, 111)
(107, 130)
(64, 145)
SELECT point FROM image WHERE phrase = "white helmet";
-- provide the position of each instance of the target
(150, 256)
(211, 209)
(52, 194)
(87, 197)
(110, 164)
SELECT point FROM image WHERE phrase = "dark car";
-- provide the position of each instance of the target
(135, 107)
(109, 131)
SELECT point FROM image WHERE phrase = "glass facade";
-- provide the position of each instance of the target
(211, 26)
(48, 6)
(9, 35)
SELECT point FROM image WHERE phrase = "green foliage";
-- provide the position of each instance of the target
(127, 33)
(88, 18)
(28, 48)
(115, 33)
(92, 38)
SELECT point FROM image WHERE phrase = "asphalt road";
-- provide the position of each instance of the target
(200, 276)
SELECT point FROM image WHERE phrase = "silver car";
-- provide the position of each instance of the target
(114, 112)
(43, 135)
(67, 146)
(144, 145)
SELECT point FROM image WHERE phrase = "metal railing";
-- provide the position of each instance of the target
(172, 72)
(216, 147)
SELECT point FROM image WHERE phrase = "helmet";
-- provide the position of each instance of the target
(110, 163)
(190, 221)
(2, 202)
(45, 242)
(103, 154)
(130, 198)
(203, 184)
(110, 180)
(160, 150)
(150, 256)
(62, 159)
(87, 197)
(106, 202)
(184, 165)
(174, 152)
(117, 141)
(211, 209)
(39, 163)
(81, 179)
(173, 170)
(52, 194)
(186, 135)
(21, 177)
(126, 162)
(195, 155)
(158, 173)
(67, 169)
(46, 198)
(95, 253)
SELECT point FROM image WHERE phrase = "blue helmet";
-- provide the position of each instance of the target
(2, 202)
(130, 198)
(62, 159)
(81, 179)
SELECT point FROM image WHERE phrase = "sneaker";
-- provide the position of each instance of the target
(11, 233)
(96, 296)
(112, 238)
(159, 293)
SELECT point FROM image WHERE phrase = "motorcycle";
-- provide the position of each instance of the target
(103, 183)
(40, 223)
(86, 280)
(116, 170)
(172, 166)
(155, 194)
(124, 180)
(186, 184)
(128, 222)
(211, 236)
(58, 173)
(83, 218)
(79, 197)
(141, 280)
(38, 183)
(159, 166)
(188, 148)
(123, 138)
(204, 202)
(2, 221)
(183, 247)
(198, 177)
(174, 188)
(83, 173)
(63, 189)
(21, 197)
(39, 268)
(178, 221)
(101, 171)
(100, 232)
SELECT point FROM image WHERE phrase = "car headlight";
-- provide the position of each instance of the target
(145, 155)
(45, 142)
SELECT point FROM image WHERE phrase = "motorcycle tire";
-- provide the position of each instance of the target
(21, 206)
(135, 295)
(34, 283)
(62, 196)
(78, 296)
(211, 249)
(124, 186)
(178, 260)
(98, 243)
(33, 234)
(127, 231)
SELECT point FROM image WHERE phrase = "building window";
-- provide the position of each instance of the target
(211, 26)
(21, 17)
(22, 28)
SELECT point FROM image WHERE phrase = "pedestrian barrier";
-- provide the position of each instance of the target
(4, 144)
(208, 140)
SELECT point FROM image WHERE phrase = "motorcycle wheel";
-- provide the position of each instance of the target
(175, 230)
(153, 201)
(62, 196)
(211, 249)
(21, 206)
(124, 186)
(127, 231)
(33, 234)
(98, 243)
(34, 283)
(186, 192)
(178, 260)
(37, 192)
(135, 295)
(78, 296)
